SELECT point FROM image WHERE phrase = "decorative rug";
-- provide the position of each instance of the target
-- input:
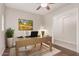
(31, 51)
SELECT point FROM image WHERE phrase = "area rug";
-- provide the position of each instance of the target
(44, 51)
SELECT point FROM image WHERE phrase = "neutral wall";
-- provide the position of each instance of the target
(62, 25)
(2, 40)
(48, 23)
(77, 30)
(12, 16)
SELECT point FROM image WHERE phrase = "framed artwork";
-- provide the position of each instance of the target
(24, 24)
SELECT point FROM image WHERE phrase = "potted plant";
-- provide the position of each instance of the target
(9, 35)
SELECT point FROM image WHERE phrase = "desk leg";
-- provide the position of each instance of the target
(50, 46)
(17, 52)
(34, 45)
(41, 45)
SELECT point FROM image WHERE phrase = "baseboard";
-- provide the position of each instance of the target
(2, 51)
(66, 45)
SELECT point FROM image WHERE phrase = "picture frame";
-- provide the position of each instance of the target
(24, 24)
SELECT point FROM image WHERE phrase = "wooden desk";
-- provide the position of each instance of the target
(33, 41)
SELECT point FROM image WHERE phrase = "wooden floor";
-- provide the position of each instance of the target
(64, 52)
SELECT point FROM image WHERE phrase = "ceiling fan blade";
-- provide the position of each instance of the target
(38, 8)
(48, 8)
(51, 3)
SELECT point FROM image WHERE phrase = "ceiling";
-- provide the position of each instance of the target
(31, 7)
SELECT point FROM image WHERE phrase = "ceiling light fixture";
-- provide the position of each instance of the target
(43, 4)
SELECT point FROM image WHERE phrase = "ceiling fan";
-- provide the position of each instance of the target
(44, 5)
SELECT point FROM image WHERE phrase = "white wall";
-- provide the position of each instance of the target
(2, 40)
(48, 23)
(77, 30)
(12, 16)
(62, 23)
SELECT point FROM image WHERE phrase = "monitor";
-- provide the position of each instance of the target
(34, 34)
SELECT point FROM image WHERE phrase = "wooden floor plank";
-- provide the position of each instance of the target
(64, 52)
